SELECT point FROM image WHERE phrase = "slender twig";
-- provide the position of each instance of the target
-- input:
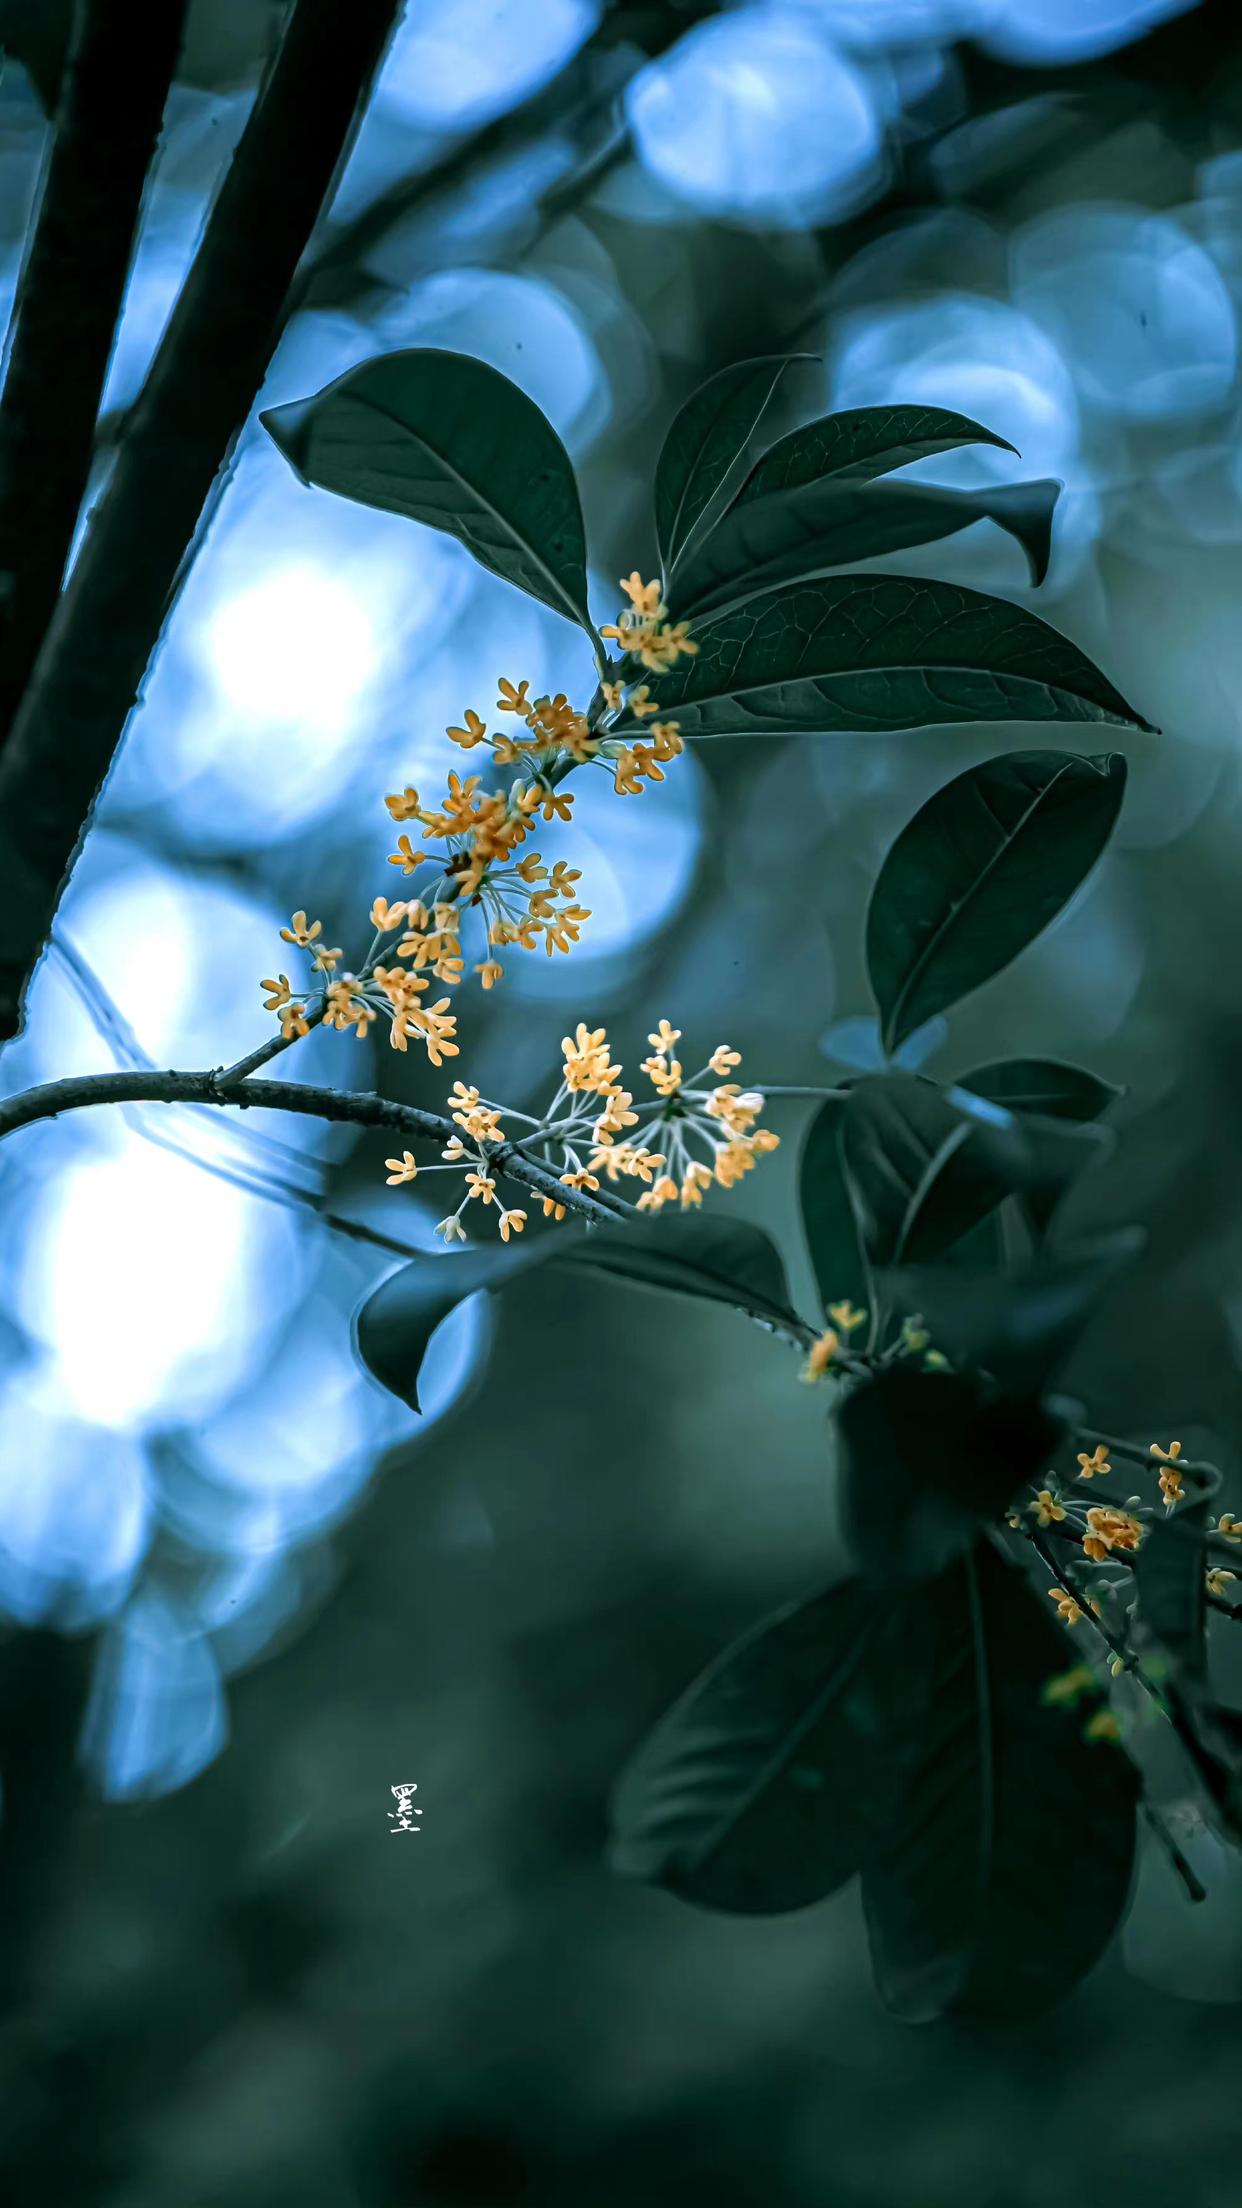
(69, 295)
(200, 389)
(1190, 1879)
(356, 1108)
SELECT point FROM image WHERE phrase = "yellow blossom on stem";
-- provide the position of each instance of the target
(472, 734)
(385, 917)
(513, 700)
(481, 1185)
(644, 597)
(293, 1022)
(1110, 1529)
(511, 1222)
(1095, 1464)
(281, 992)
(1069, 1609)
(1229, 1527)
(452, 1229)
(404, 1168)
(301, 931)
(1048, 1511)
(403, 804)
(844, 1316)
(821, 1353)
(490, 972)
(1218, 1580)
(1103, 1726)
(406, 857)
(1066, 1687)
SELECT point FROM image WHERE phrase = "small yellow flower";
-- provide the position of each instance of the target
(553, 1210)
(406, 857)
(481, 1185)
(1111, 1529)
(293, 1022)
(1169, 1455)
(846, 1317)
(1067, 1686)
(1218, 1580)
(914, 1335)
(403, 804)
(511, 1222)
(451, 1228)
(1103, 1726)
(1048, 1511)
(1069, 1609)
(820, 1354)
(613, 695)
(404, 1168)
(664, 1037)
(1096, 1463)
(641, 701)
(1229, 1527)
(385, 916)
(513, 700)
(280, 993)
(644, 597)
(326, 959)
(490, 972)
(723, 1060)
(300, 931)
(472, 734)
(1171, 1484)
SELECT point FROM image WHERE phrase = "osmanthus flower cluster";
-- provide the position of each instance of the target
(590, 1132)
(470, 857)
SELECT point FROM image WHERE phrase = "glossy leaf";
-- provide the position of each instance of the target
(716, 1260)
(979, 872)
(1044, 1085)
(927, 1459)
(1022, 1327)
(758, 1791)
(704, 445)
(860, 443)
(1009, 1861)
(828, 1214)
(926, 1164)
(763, 543)
(875, 652)
(450, 442)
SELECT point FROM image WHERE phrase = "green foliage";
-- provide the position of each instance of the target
(1020, 1328)
(448, 441)
(1044, 1085)
(828, 1219)
(862, 442)
(705, 444)
(793, 535)
(862, 653)
(927, 1459)
(925, 1164)
(756, 1792)
(1009, 1860)
(979, 872)
(716, 1260)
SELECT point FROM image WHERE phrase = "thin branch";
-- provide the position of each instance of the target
(200, 390)
(355, 1108)
(69, 296)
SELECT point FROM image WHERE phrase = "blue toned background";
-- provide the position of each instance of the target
(289, 1593)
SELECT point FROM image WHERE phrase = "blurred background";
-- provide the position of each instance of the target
(242, 1592)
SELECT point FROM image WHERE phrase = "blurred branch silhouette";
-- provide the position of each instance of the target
(200, 389)
(69, 296)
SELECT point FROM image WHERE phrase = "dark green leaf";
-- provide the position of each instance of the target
(704, 445)
(1043, 1085)
(1020, 1328)
(756, 1792)
(827, 1213)
(925, 1164)
(717, 1260)
(862, 442)
(979, 872)
(872, 652)
(789, 536)
(927, 1458)
(1009, 1861)
(448, 441)
(1170, 1572)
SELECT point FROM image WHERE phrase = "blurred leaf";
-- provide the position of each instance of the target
(1044, 1085)
(1170, 1570)
(448, 441)
(926, 1459)
(792, 535)
(828, 1214)
(1018, 1328)
(704, 444)
(756, 1791)
(1008, 1864)
(926, 1164)
(979, 872)
(36, 33)
(871, 652)
(717, 1260)
(862, 442)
